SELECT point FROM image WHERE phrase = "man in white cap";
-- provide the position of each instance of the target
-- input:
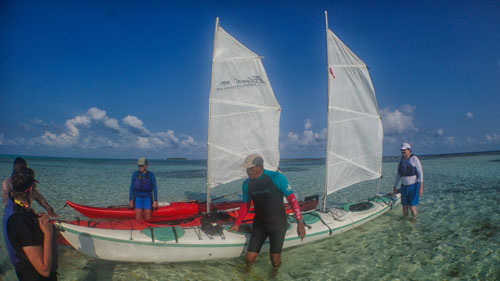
(143, 190)
(412, 180)
(266, 189)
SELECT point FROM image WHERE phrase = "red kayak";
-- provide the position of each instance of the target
(175, 210)
(229, 211)
(132, 224)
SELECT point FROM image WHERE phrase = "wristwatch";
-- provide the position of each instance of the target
(300, 221)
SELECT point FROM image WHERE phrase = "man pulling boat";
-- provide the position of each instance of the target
(266, 189)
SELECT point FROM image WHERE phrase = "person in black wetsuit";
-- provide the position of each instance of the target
(266, 189)
(28, 236)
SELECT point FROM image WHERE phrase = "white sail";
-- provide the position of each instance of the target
(354, 127)
(243, 112)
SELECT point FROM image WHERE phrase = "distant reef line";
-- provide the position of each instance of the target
(447, 155)
(4, 157)
(397, 157)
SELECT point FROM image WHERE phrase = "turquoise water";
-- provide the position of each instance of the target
(456, 235)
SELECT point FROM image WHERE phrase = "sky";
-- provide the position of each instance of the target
(124, 79)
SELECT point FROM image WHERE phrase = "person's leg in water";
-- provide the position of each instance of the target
(138, 208)
(413, 210)
(147, 208)
(251, 257)
(276, 240)
(405, 201)
(276, 260)
(405, 210)
(255, 243)
(138, 214)
(413, 198)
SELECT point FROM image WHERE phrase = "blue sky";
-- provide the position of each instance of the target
(124, 79)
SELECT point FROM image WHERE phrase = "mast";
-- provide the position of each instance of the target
(325, 194)
(209, 119)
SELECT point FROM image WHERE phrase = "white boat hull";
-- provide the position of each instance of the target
(193, 244)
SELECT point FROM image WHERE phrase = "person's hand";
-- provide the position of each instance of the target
(155, 205)
(234, 228)
(421, 189)
(131, 204)
(301, 230)
(394, 190)
(45, 225)
(52, 214)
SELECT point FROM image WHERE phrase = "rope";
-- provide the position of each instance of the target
(314, 214)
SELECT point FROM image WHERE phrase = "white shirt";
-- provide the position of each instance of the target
(413, 161)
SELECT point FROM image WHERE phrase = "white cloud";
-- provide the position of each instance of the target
(440, 132)
(471, 141)
(450, 141)
(469, 115)
(188, 142)
(26, 127)
(74, 123)
(39, 121)
(93, 142)
(144, 143)
(308, 124)
(136, 124)
(493, 138)
(308, 137)
(399, 120)
(100, 116)
(86, 131)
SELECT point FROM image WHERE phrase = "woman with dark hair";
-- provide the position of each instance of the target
(29, 237)
(19, 163)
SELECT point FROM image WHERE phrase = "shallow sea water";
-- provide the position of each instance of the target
(456, 235)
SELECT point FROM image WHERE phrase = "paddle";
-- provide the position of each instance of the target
(119, 206)
(223, 196)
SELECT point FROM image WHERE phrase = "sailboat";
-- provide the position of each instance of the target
(354, 154)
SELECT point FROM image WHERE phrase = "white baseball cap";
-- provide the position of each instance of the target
(405, 145)
(252, 160)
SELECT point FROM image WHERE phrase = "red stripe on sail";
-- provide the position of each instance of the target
(331, 72)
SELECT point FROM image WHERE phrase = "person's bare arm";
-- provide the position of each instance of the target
(41, 257)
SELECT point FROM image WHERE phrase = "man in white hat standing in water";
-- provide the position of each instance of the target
(266, 189)
(412, 180)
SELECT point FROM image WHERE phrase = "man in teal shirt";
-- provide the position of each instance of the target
(266, 189)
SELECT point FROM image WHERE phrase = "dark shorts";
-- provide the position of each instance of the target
(409, 194)
(259, 234)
